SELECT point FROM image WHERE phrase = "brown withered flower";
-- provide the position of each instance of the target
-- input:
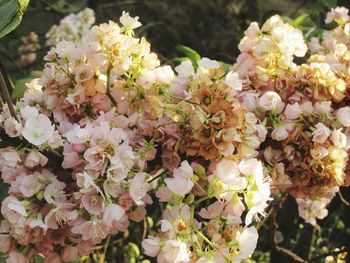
(214, 121)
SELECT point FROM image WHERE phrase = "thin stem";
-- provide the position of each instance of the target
(342, 198)
(57, 153)
(109, 94)
(105, 247)
(157, 176)
(7, 97)
(274, 242)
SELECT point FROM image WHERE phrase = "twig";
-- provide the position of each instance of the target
(278, 202)
(109, 94)
(274, 242)
(157, 176)
(6, 96)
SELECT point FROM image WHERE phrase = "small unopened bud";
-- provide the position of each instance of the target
(199, 170)
(40, 195)
(189, 199)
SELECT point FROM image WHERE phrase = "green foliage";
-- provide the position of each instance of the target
(20, 88)
(11, 12)
(67, 6)
(189, 53)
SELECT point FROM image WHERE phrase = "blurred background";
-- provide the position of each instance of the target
(213, 28)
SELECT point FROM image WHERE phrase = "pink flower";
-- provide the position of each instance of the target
(137, 214)
(181, 184)
(70, 253)
(54, 192)
(16, 257)
(12, 127)
(151, 246)
(93, 202)
(5, 243)
(321, 133)
(213, 210)
(30, 185)
(95, 160)
(337, 14)
(100, 102)
(138, 188)
(35, 158)
(9, 157)
(112, 214)
(61, 215)
(95, 230)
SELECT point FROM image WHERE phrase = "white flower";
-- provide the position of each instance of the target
(38, 130)
(339, 139)
(272, 22)
(321, 133)
(29, 112)
(181, 184)
(343, 115)
(232, 80)
(175, 251)
(253, 30)
(307, 107)
(251, 167)
(77, 135)
(228, 173)
(271, 101)
(310, 210)
(151, 246)
(138, 188)
(279, 133)
(323, 107)
(128, 21)
(318, 152)
(338, 13)
(164, 75)
(185, 69)
(207, 63)
(247, 240)
(293, 111)
(147, 78)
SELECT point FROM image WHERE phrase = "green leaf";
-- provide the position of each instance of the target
(11, 12)
(189, 53)
(20, 88)
(300, 20)
(177, 61)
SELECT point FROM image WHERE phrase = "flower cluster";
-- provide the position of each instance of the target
(73, 27)
(107, 131)
(304, 108)
(27, 49)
